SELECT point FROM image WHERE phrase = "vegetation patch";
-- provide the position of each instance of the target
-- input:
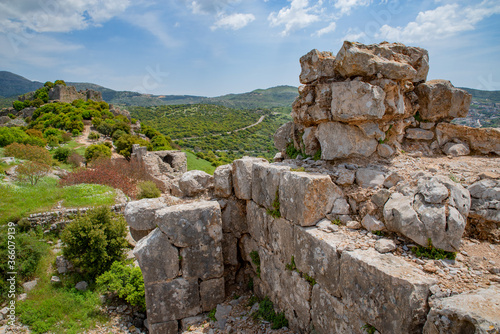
(275, 211)
(266, 312)
(368, 328)
(293, 267)
(432, 252)
(211, 314)
(196, 163)
(254, 255)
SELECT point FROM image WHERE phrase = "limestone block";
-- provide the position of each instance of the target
(316, 65)
(419, 134)
(294, 300)
(258, 223)
(223, 181)
(385, 245)
(369, 178)
(346, 177)
(316, 255)
(211, 293)
(471, 312)
(313, 105)
(283, 136)
(372, 224)
(271, 272)
(265, 183)
(140, 215)
(230, 249)
(306, 198)
(456, 149)
(385, 291)
(136, 235)
(172, 300)
(391, 60)
(281, 235)
(392, 179)
(202, 261)
(234, 218)
(195, 182)
(339, 140)
(372, 130)
(439, 100)
(341, 207)
(356, 101)
(192, 224)
(329, 314)
(242, 176)
(169, 327)
(158, 259)
(483, 140)
(311, 143)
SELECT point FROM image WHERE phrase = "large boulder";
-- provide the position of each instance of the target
(436, 213)
(390, 60)
(223, 181)
(484, 222)
(140, 215)
(482, 140)
(471, 312)
(242, 176)
(439, 100)
(339, 140)
(316, 65)
(356, 101)
(266, 183)
(195, 182)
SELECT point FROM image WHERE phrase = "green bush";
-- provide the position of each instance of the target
(18, 105)
(29, 249)
(126, 282)
(60, 82)
(29, 152)
(124, 144)
(94, 135)
(62, 154)
(266, 312)
(94, 152)
(12, 135)
(147, 189)
(94, 241)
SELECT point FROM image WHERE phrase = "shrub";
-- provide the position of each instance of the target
(18, 105)
(34, 133)
(59, 82)
(75, 159)
(66, 137)
(94, 135)
(32, 171)
(28, 249)
(94, 152)
(266, 312)
(147, 189)
(28, 152)
(12, 135)
(48, 84)
(95, 240)
(126, 282)
(124, 144)
(75, 132)
(62, 154)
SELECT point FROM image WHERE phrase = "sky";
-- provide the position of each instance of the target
(217, 47)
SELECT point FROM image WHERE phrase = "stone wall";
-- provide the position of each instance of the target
(68, 94)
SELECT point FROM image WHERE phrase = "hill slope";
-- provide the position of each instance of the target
(12, 84)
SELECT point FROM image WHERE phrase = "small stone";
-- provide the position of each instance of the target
(353, 225)
(385, 245)
(81, 286)
(430, 267)
(372, 224)
(55, 280)
(22, 297)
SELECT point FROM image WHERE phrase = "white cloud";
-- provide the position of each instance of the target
(442, 22)
(233, 21)
(328, 29)
(209, 6)
(153, 23)
(354, 36)
(299, 15)
(57, 15)
(345, 6)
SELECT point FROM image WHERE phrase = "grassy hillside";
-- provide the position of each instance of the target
(12, 84)
(493, 95)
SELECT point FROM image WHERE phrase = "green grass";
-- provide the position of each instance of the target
(73, 145)
(21, 199)
(60, 309)
(195, 163)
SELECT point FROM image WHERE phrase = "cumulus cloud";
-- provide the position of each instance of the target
(442, 22)
(345, 6)
(297, 16)
(234, 21)
(328, 29)
(57, 15)
(209, 6)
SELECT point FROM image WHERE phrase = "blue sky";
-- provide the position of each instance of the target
(216, 47)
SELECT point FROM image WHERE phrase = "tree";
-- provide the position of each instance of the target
(94, 152)
(60, 82)
(32, 171)
(18, 105)
(94, 135)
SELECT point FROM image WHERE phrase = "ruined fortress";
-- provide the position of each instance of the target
(330, 241)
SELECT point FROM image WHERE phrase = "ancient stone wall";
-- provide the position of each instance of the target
(68, 94)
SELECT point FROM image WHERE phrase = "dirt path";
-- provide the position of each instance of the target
(240, 129)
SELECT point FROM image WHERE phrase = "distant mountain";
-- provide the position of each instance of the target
(492, 95)
(12, 84)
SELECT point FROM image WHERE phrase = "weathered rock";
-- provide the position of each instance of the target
(345, 177)
(483, 140)
(485, 210)
(391, 60)
(211, 293)
(158, 259)
(385, 151)
(419, 134)
(380, 197)
(471, 312)
(393, 179)
(439, 100)
(234, 219)
(339, 140)
(28, 286)
(177, 160)
(340, 207)
(316, 65)
(369, 178)
(183, 300)
(223, 181)
(265, 183)
(195, 182)
(140, 215)
(221, 314)
(385, 245)
(81, 286)
(27, 112)
(17, 122)
(368, 280)
(353, 225)
(316, 255)
(283, 136)
(313, 104)
(4, 119)
(306, 198)
(311, 143)
(372, 224)
(295, 304)
(356, 101)
(456, 149)
(242, 176)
